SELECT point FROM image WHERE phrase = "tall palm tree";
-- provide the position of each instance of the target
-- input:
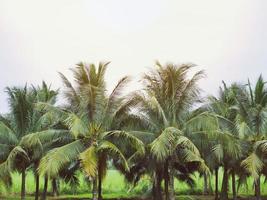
(22, 120)
(164, 109)
(94, 118)
(227, 146)
(205, 142)
(252, 121)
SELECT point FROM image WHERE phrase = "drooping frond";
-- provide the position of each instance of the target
(165, 143)
(144, 136)
(47, 135)
(127, 138)
(59, 157)
(89, 161)
(38, 142)
(76, 125)
(186, 143)
(205, 121)
(253, 165)
(231, 146)
(191, 157)
(113, 149)
(5, 175)
(17, 153)
(7, 136)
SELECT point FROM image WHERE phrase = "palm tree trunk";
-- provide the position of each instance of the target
(216, 184)
(36, 186)
(99, 187)
(224, 191)
(171, 185)
(55, 187)
(258, 189)
(233, 185)
(166, 188)
(23, 184)
(210, 189)
(156, 190)
(166, 180)
(94, 191)
(205, 190)
(45, 187)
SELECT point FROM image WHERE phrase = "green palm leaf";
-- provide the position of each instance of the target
(59, 157)
(89, 161)
(127, 137)
(7, 136)
(253, 165)
(164, 145)
(113, 149)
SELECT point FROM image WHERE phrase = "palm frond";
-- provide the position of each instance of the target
(17, 153)
(127, 138)
(7, 136)
(165, 143)
(76, 125)
(185, 142)
(5, 175)
(89, 161)
(59, 157)
(253, 165)
(113, 149)
(218, 152)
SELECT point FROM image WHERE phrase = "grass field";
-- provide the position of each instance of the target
(114, 186)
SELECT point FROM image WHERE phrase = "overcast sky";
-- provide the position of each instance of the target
(39, 38)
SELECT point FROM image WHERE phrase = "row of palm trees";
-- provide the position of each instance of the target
(165, 130)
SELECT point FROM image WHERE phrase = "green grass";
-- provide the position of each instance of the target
(114, 186)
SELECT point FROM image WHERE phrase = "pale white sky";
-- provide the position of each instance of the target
(39, 38)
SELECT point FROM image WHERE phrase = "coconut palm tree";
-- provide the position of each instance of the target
(22, 120)
(164, 109)
(205, 142)
(252, 105)
(228, 146)
(94, 118)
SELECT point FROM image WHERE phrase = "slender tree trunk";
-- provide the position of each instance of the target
(166, 188)
(45, 187)
(171, 184)
(210, 190)
(224, 191)
(36, 186)
(94, 191)
(58, 187)
(166, 180)
(99, 187)
(216, 184)
(233, 185)
(258, 189)
(23, 182)
(156, 190)
(55, 190)
(205, 190)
